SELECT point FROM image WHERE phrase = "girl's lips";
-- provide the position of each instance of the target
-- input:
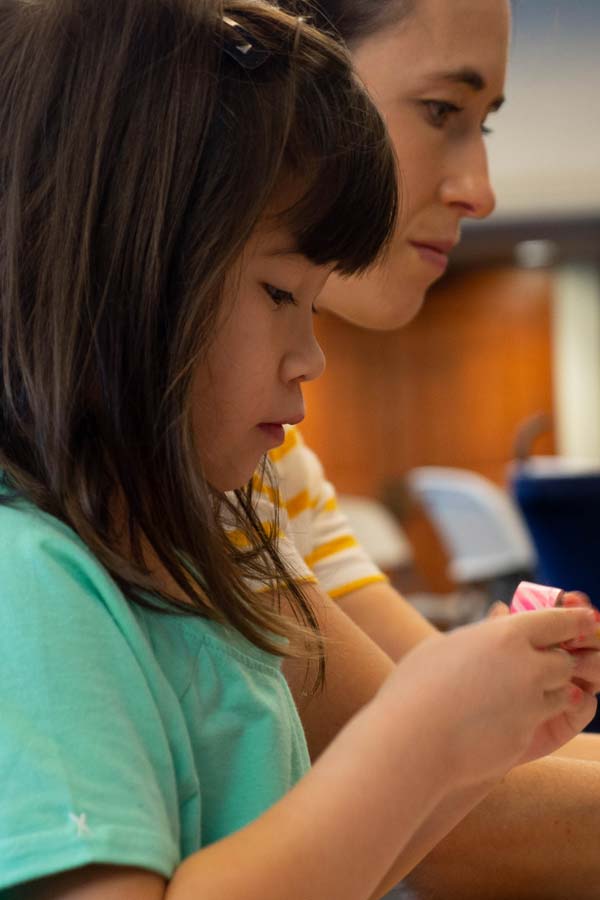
(275, 433)
(432, 255)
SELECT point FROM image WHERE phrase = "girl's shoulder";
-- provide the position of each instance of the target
(24, 528)
(44, 565)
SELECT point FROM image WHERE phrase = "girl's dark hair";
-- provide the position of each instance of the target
(138, 150)
(356, 20)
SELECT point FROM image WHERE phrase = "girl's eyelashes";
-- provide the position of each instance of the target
(284, 298)
(440, 111)
(279, 296)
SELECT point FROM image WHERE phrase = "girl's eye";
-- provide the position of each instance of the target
(486, 130)
(439, 111)
(278, 296)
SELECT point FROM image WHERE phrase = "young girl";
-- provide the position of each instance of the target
(173, 176)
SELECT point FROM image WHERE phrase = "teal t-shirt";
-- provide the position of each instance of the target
(126, 736)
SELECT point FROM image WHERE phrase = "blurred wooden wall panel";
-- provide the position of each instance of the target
(451, 388)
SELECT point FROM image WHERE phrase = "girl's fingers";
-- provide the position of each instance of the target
(547, 627)
(589, 642)
(574, 598)
(587, 666)
(581, 668)
(573, 701)
(497, 610)
(559, 668)
(577, 599)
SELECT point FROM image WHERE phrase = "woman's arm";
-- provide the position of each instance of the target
(535, 835)
(387, 618)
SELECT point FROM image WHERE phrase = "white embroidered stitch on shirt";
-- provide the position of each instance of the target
(81, 822)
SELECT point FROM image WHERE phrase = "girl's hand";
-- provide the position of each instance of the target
(532, 595)
(495, 694)
(585, 651)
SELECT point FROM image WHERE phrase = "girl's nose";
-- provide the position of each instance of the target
(305, 361)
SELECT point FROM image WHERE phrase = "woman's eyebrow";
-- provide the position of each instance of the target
(471, 77)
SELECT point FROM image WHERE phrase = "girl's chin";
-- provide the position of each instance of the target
(224, 481)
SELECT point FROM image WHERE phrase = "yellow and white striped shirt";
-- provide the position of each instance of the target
(316, 540)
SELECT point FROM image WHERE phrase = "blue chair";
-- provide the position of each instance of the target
(562, 511)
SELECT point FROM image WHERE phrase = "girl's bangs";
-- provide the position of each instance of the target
(347, 210)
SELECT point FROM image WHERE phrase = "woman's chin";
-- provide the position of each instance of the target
(389, 313)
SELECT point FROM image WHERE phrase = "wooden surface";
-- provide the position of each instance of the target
(450, 389)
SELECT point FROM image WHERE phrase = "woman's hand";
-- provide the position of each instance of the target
(496, 694)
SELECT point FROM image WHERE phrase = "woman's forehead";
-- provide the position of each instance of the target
(442, 40)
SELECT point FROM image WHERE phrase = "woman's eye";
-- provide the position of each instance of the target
(278, 296)
(439, 111)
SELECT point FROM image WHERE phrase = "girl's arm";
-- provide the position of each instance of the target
(336, 834)
(331, 838)
(535, 835)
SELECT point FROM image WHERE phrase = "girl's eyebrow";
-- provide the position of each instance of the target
(291, 250)
(471, 77)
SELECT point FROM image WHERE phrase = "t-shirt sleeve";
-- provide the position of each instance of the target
(318, 528)
(84, 760)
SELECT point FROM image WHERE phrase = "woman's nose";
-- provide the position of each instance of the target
(468, 186)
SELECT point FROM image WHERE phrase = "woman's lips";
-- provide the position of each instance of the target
(432, 255)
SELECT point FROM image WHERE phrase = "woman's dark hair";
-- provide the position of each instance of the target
(140, 143)
(356, 20)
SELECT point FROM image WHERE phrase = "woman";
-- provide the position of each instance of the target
(436, 71)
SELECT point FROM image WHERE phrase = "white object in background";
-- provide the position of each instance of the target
(576, 360)
(377, 531)
(478, 522)
(550, 466)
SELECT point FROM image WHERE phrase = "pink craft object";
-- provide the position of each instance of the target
(530, 596)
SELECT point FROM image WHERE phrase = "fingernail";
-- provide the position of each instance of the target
(575, 694)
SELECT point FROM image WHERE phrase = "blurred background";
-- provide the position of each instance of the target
(500, 373)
